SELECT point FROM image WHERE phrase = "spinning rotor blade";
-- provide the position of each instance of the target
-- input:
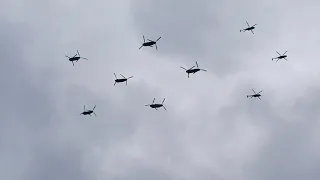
(260, 92)
(147, 105)
(75, 55)
(72, 63)
(156, 47)
(259, 98)
(285, 52)
(84, 108)
(123, 76)
(203, 70)
(150, 40)
(285, 59)
(247, 23)
(114, 83)
(78, 52)
(153, 100)
(115, 75)
(278, 53)
(140, 47)
(183, 68)
(84, 58)
(163, 100)
(192, 67)
(94, 107)
(197, 64)
(130, 77)
(254, 25)
(67, 56)
(143, 39)
(158, 39)
(126, 83)
(254, 91)
(164, 108)
(252, 31)
(94, 114)
(188, 75)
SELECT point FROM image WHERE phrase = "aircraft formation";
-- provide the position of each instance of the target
(192, 70)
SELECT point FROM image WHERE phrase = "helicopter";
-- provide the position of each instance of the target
(121, 80)
(150, 43)
(249, 28)
(191, 70)
(75, 58)
(283, 56)
(256, 95)
(88, 112)
(156, 106)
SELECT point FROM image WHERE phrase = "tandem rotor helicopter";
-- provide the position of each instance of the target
(249, 28)
(88, 112)
(124, 79)
(150, 43)
(191, 70)
(255, 95)
(75, 58)
(283, 56)
(156, 106)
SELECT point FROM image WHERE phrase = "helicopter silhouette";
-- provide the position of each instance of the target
(88, 112)
(283, 56)
(255, 95)
(191, 70)
(249, 28)
(75, 58)
(150, 43)
(124, 79)
(156, 106)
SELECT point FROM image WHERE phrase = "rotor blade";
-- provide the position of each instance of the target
(260, 92)
(94, 107)
(67, 56)
(254, 91)
(149, 40)
(153, 100)
(78, 52)
(285, 52)
(156, 46)
(254, 25)
(94, 114)
(126, 83)
(147, 105)
(163, 100)
(72, 63)
(277, 60)
(197, 64)
(74, 55)
(143, 39)
(158, 39)
(247, 23)
(259, 98)
(114, 83)
(285, 59)
(278, 53)
(84, 108)
(130, 77)
(252, 32)
(188, 75)
(183, 68)
(123, 76)
(115, 75)
(164, 108)
(192, 67)
(140, 47)
(203, 70)
(84, 58)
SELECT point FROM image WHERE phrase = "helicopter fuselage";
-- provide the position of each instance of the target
(156, 105)
(87, 112)
(74, 59)
(149, 43)
(120, 80)
(249, 28)
(283, 56)
(254, 95)
(192, 70)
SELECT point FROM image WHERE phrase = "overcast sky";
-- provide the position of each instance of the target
(211, 131)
